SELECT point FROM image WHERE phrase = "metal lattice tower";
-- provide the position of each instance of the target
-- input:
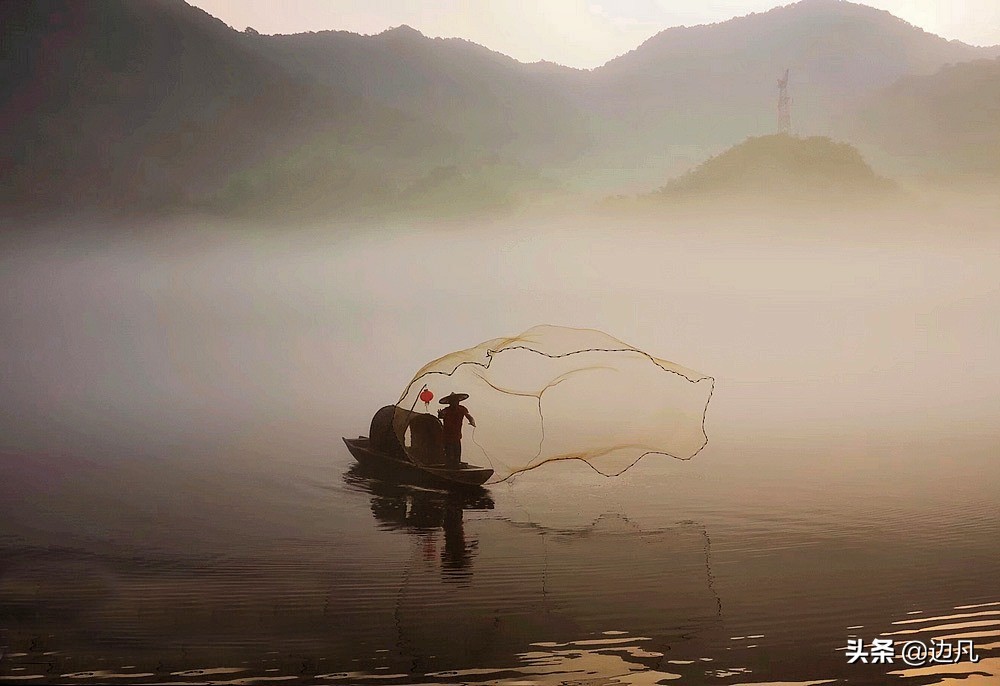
(784, 106)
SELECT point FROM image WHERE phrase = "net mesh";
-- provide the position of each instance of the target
(555, 393)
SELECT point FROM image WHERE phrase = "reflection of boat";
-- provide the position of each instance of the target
(421, 511)
(423, 457)
(397, 504)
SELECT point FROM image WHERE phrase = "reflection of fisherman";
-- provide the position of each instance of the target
(421, 513)
(457, 554)
(453, 416)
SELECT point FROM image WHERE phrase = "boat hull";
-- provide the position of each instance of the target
(467, 475)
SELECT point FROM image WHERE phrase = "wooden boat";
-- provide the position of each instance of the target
(423, 456)
(465, 475)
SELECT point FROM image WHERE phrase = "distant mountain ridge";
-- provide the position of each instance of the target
(809, 18)
(682, 95)
(944, 123)
(156, 104)
(710, 86)
(488, 100)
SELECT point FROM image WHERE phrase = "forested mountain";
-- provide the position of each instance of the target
(943, 124)
(157, 104)
(691, 91)
(154, 104)
(485, 99)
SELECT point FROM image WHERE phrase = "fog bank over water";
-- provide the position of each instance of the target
(192, 333)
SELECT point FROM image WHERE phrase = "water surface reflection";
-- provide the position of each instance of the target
(422, 511)
(553, 590)
(175, 499)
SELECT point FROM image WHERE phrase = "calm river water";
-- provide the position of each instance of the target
(177, 506)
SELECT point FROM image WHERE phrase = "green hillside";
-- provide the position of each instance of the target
(779, 167)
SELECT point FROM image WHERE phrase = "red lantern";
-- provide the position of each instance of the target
(426, 396)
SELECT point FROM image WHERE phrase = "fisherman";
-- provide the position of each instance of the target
(453, 416)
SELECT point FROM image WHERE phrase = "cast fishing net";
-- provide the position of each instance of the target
(555, 393)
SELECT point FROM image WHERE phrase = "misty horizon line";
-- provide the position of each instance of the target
(404, 28)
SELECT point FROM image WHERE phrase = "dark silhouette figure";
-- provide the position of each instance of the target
(453, 416)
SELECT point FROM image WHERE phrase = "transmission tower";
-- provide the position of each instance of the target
(784, 106)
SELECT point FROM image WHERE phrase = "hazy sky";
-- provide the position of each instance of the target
(580, 33)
